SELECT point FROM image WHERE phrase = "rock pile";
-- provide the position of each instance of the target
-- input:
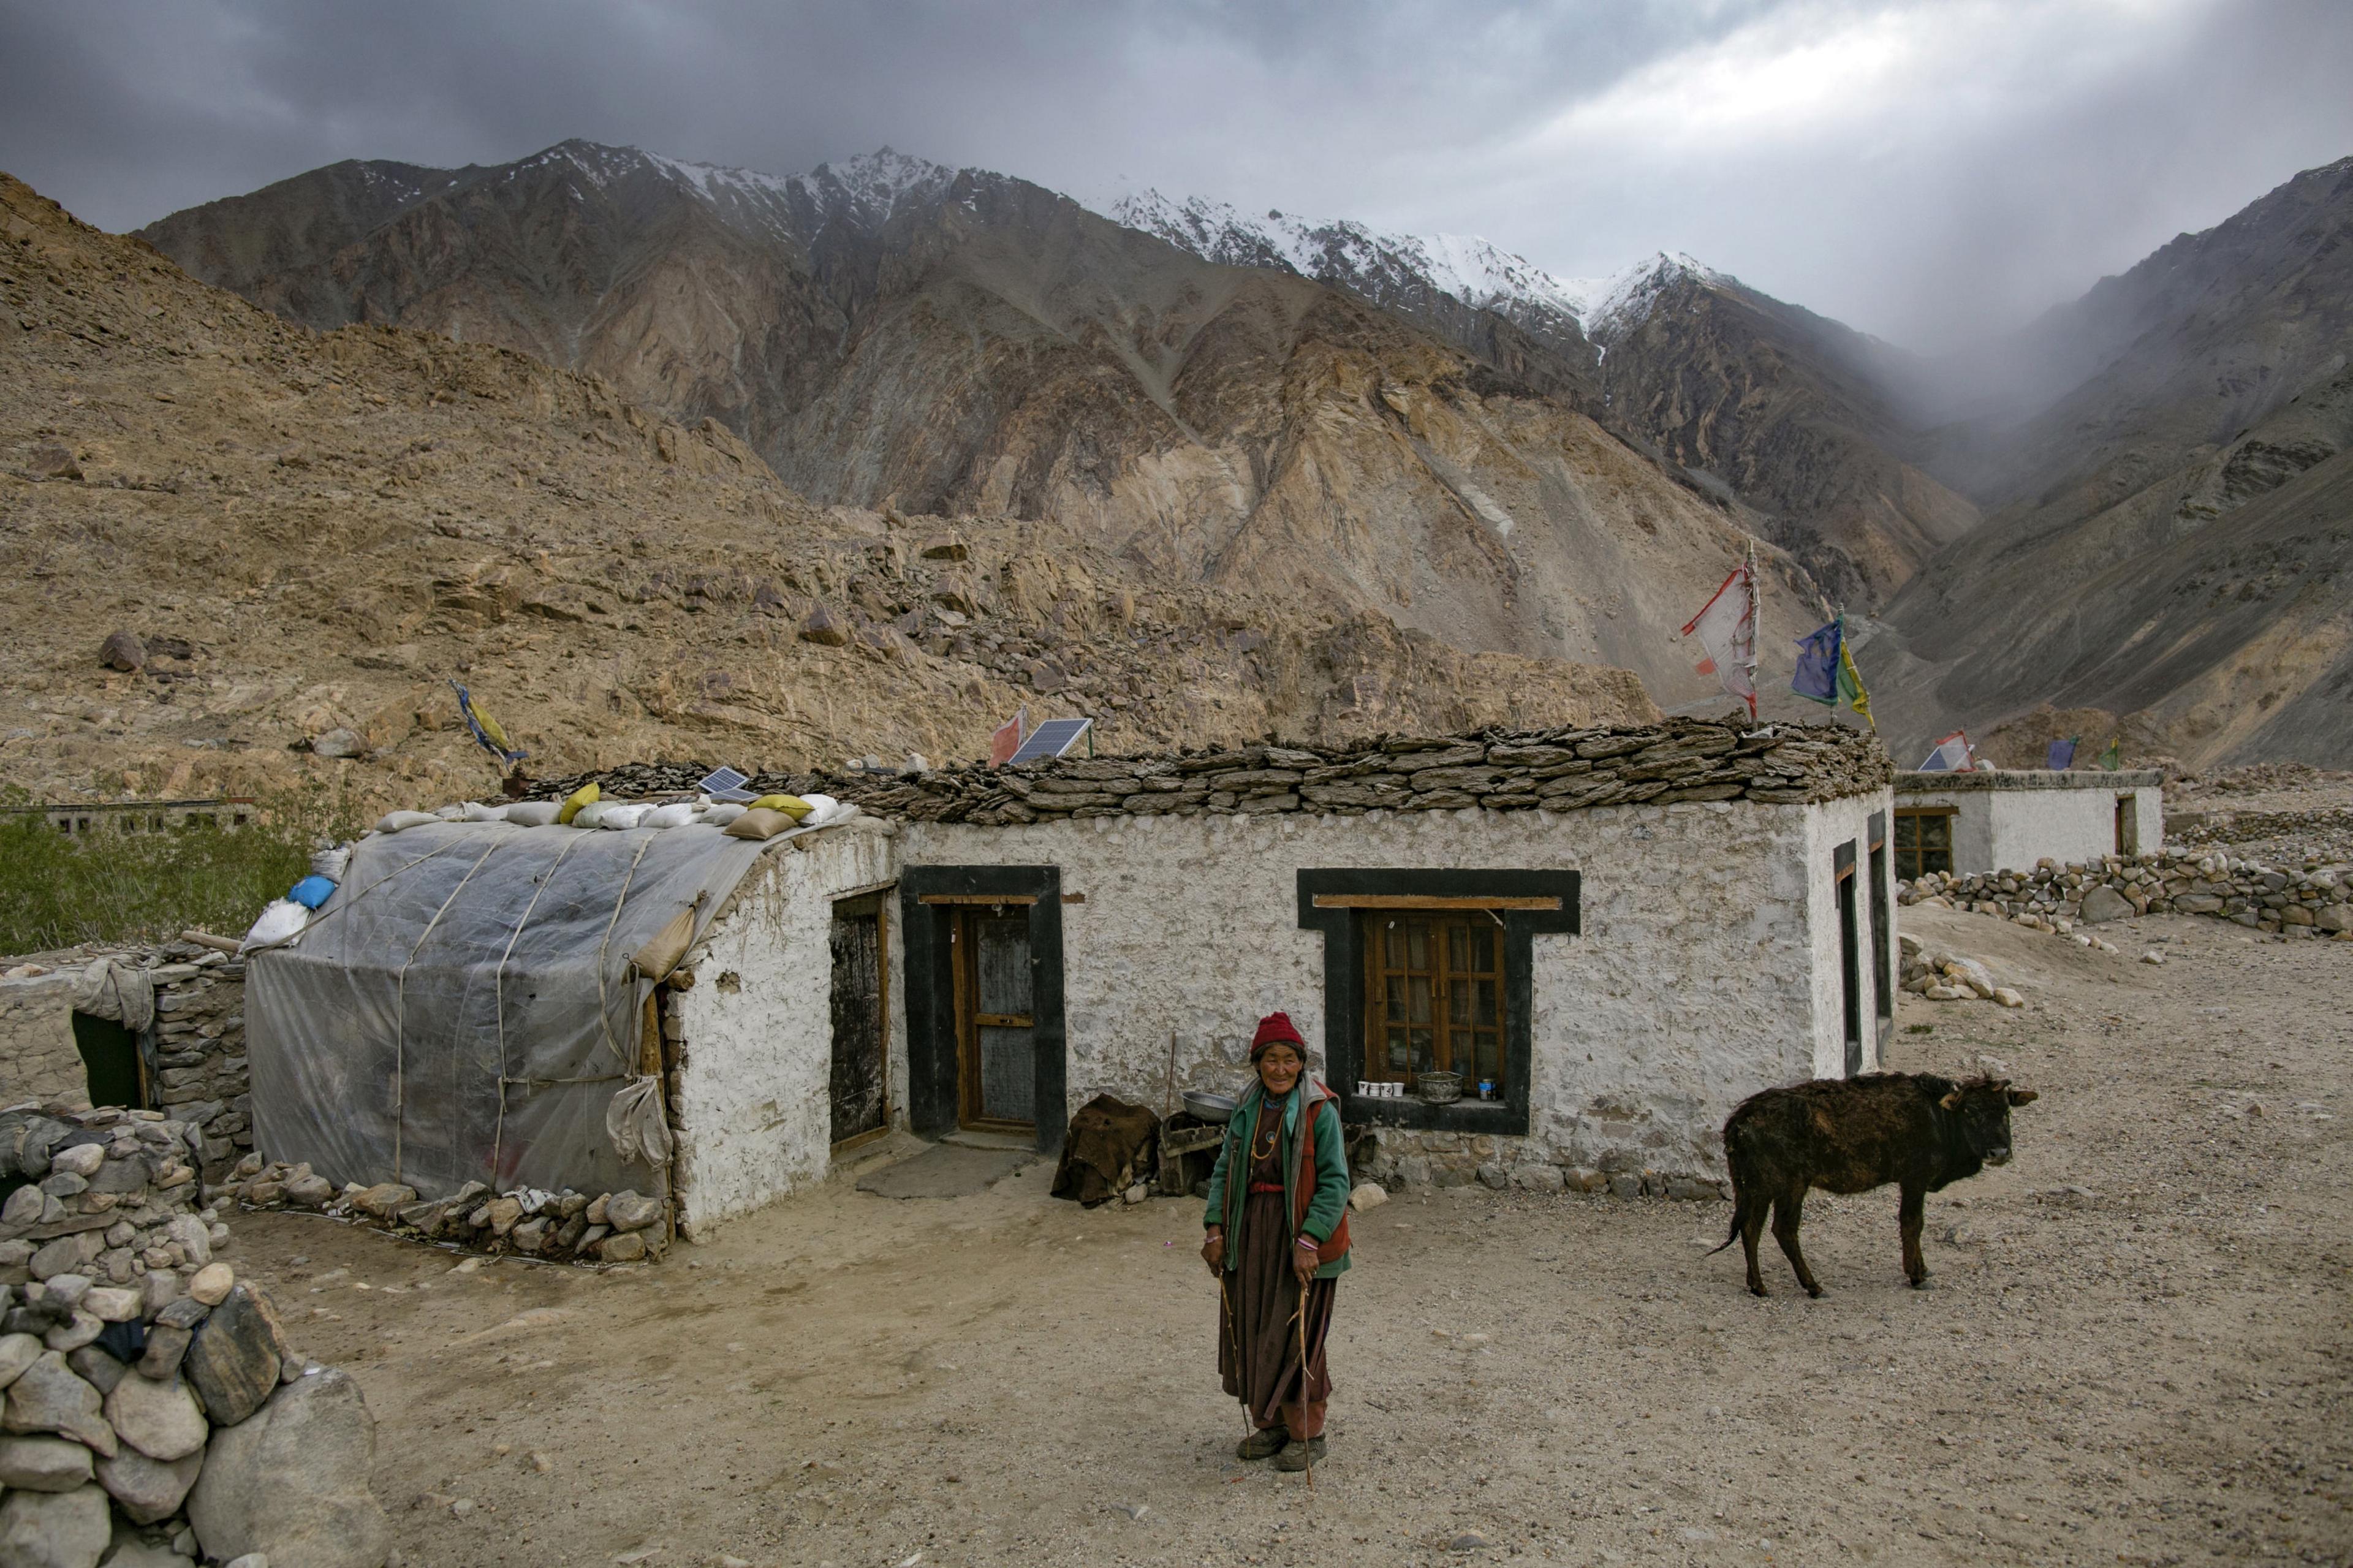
(1399, 1158)
(1544, 770)
(1942, 976)
(2314, 902)
(182, 1430)
(110, 1196)
(611, 1227)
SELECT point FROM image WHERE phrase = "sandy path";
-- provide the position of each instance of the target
(2153, 1373)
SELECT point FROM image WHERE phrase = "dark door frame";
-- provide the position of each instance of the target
(933, 1094)
(881, 900)
(1850, 955)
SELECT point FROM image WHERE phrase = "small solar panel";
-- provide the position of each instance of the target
(727, 785)
(1054, 738)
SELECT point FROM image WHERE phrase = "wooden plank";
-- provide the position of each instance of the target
(1418, 901)
(982, 900)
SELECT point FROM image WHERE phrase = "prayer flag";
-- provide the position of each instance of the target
(1817, 675)
(487, 731)
(1952, 755)
(1850, 683)
(2114, 757)
(1726, 630)
(1007, 738)
(2063, 754)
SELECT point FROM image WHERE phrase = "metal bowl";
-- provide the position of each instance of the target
(1438, 1087)
(1209, 1107)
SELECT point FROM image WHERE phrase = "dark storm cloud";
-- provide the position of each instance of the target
(1918, 169)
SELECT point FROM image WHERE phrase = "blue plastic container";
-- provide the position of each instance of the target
(312, 891)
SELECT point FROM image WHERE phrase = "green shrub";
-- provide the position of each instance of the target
(112, 885)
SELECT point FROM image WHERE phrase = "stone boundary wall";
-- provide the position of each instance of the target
(198, 1074)
(610, 1228)
(108, 1196)
(1538, 770)
(2053, 896)
(1401, 1158)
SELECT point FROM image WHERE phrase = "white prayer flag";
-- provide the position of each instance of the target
(1727, 629)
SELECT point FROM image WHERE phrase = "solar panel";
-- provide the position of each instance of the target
(1054, 738)
(727, 785)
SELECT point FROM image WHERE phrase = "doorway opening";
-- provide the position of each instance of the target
(110, 1060)
(996, 1019)
(859, 1083)
(2128, 825)
(981, 951)
(1850, 957)
(1883, 982)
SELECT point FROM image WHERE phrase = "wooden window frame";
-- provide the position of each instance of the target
(1446, 1054)
(1898, 855)
(1528, 903)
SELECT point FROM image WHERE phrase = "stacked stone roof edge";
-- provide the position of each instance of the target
(1565, 769)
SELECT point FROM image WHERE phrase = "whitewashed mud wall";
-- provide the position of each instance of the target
(750, 1096)
(1692, 985)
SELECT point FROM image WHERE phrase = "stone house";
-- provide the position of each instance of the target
(1965, 823)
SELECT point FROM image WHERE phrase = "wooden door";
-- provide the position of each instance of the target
(860, 1023)
(996, 1051)
(1434, 998)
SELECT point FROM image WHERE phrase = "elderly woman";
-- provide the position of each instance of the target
(1278, 1231)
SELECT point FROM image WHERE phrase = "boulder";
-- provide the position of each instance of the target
(121, 649)
(95, 1366)
(292, 1481)
(627, 1248)
(137, 1552)
(111, 1304)
(159, 1419)
(311, 1192)
(1367, 1195)
(55, 1530)
(43, 1464)
(48, 1397)
(626, 1211)
(192, 1237)
(148, 1489)
(83, 1160)
(234, 1360)
(505, 1214)
(210, 1285)
(2102, 905)
(339, 741)
(18, 1352)
(384, 1199)
(167, 1347)
(67, 1253)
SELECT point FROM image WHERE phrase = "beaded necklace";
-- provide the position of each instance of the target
(1273, 1137)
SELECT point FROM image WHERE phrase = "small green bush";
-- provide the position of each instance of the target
(110, 886)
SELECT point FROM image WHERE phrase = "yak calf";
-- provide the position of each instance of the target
(1850, 1135)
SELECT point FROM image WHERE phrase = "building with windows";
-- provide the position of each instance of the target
(1969, 822)
(1609, 938)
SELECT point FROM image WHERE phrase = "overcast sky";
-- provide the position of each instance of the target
(1924, 171)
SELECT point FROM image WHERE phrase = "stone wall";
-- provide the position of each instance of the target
(603, 1227)
(38, 1060)
(2316, 901)
(1546, 770)
(108, 1195)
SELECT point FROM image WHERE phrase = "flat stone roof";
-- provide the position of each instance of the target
(1538, 770)
(1910, 781)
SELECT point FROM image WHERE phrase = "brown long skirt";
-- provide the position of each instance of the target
(1257, 1328)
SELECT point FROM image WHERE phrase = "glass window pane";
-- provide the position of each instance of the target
(1488, 1015)
(1907, 831)
(1417, 999)
(1417, 946)
(1400, 1061)
(1458, 948)
(1393, 946)
(1482, 948)
(1423, 1060)
(1396, 988)
(1458, 1004)
(1936, 833)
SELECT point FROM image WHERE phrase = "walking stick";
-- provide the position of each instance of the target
(1303, 1382)
(1234, 1338)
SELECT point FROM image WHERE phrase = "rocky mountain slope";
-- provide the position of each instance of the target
(1788, 412)
(307, 532)
(2173, 559)
(893, 335)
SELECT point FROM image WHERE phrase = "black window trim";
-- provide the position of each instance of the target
(1344, 986)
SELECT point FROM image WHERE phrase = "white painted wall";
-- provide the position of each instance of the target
(2011, 830)
(1696, 981)
(753, 1100)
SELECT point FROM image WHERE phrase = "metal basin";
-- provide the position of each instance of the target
(1209, 1107)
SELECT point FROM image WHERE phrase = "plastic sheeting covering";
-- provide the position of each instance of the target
(463, 1008)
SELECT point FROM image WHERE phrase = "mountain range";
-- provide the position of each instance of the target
(1433, 431)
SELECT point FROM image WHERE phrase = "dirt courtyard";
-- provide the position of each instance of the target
(2136, 1347)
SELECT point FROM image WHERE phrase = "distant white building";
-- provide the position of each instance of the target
(1965, 823)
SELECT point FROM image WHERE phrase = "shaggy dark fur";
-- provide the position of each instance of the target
(1850, 1135)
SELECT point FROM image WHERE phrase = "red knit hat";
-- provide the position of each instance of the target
(1276, 1027)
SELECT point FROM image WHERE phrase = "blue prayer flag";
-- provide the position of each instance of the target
(2063, 756)
(1817, 675)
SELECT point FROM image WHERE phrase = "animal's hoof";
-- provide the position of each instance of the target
(1759, 1290)
(1924, 1283)
(1815, 1291)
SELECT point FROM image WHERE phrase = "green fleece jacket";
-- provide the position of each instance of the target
(1230, 1182)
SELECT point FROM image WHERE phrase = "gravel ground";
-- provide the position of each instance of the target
(2135, 1349)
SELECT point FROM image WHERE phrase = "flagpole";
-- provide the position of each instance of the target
(1755, 622)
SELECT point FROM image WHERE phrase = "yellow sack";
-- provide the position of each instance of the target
(660, 955)
(759, 822)
(792, 805)
(584, 795)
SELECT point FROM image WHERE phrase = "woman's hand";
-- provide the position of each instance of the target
(1213, 1249)
(1303, 1261)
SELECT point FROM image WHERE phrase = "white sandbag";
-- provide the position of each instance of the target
(475, 811)
(451, 814)
(723, 812)
(533, 812)
(593, 814)
(279, 924)
(620, 817)
(331, 863)
(400, 821)
(678, 813)
(825, 811)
